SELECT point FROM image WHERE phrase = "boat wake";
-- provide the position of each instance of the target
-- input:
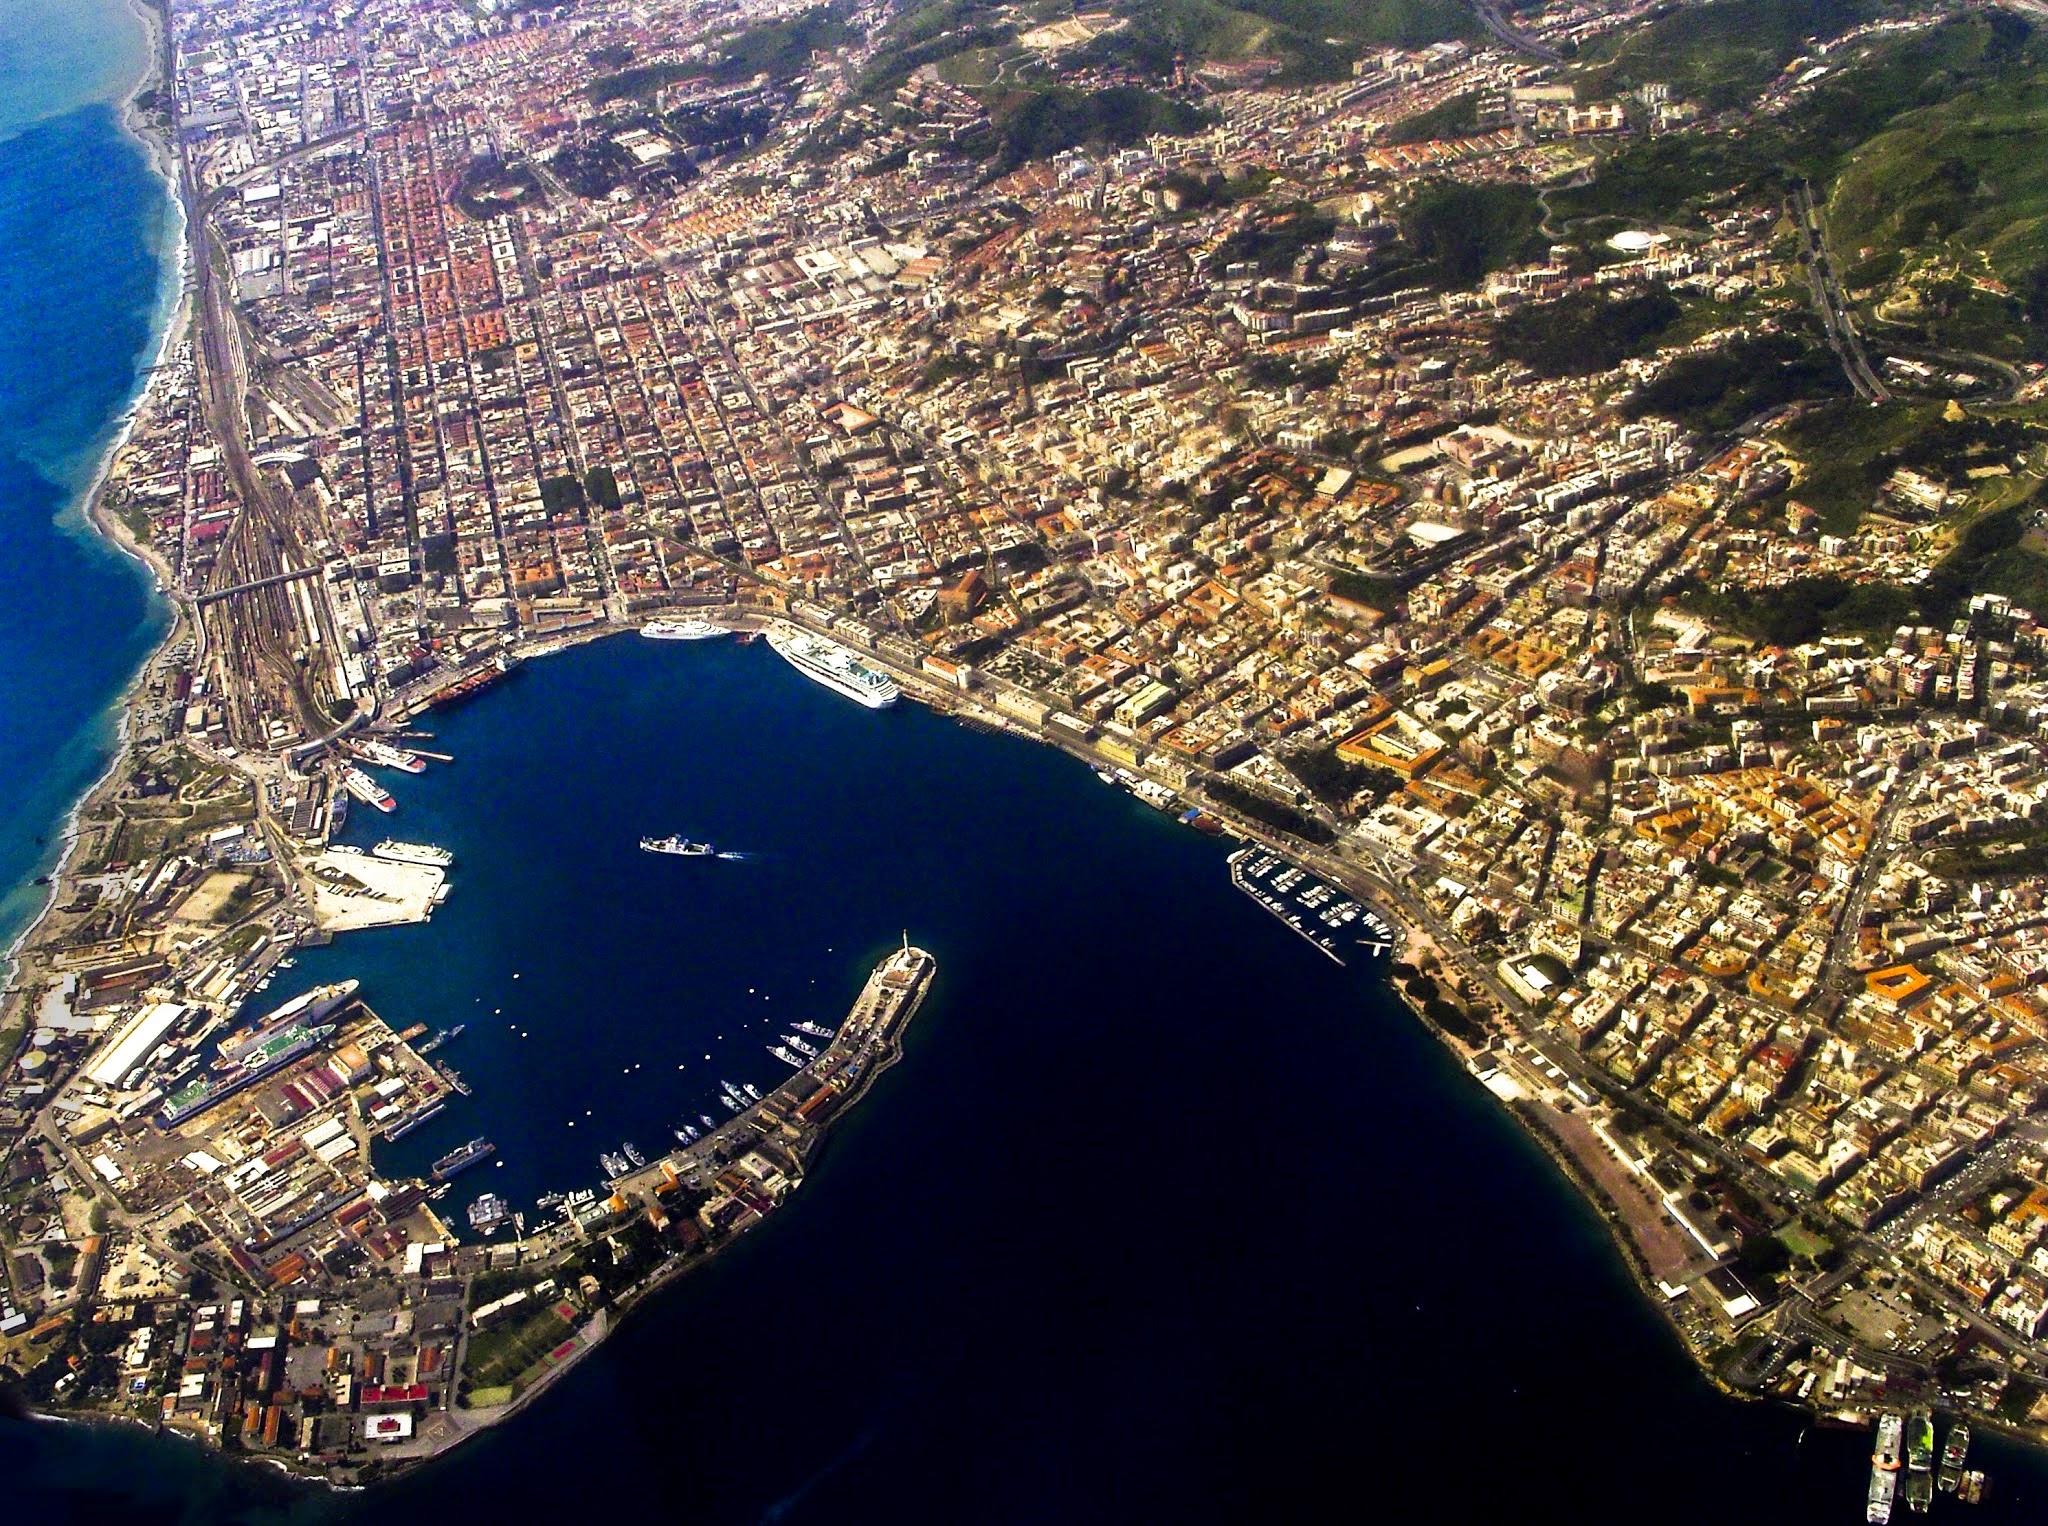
(733, 855)
(781, 1509)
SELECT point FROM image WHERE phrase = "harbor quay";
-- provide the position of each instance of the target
(285, 1299)
(1489, 1015)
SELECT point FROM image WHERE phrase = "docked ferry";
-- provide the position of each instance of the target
(680, 630)
(1884, 1467)
(384, 755)
(1953, 1457)
(832, 665)
(367, 790)
(425, 854)
(1919, 1461)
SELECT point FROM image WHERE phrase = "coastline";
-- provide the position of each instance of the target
(169, 319)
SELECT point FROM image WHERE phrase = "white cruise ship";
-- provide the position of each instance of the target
(833, 666)
(680, 630)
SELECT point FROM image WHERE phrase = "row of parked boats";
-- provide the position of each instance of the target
(490, 1212)
(1905, 1445)
(1317, 910)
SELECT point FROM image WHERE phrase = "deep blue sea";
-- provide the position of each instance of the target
(87, 236)
(1163, 1217)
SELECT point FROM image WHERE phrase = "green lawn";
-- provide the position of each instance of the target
(500, 1356)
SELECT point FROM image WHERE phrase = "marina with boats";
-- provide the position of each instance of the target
(1310, 906)
(824, 1077)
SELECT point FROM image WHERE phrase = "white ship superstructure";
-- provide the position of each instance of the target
(413, 853)
(680, 630)
(832, 665)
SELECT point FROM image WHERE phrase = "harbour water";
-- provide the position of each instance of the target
(1163, 1216)
(88, 238)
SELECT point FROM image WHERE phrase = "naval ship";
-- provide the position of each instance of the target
(462, 1159)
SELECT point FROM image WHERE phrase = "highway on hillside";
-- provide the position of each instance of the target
(1834, 309)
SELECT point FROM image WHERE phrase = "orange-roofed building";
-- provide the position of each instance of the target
(1900, 984)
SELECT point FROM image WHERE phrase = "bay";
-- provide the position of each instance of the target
(1163, 1215)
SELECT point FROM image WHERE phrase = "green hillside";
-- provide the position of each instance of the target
(1671, 177)
(1720, 54)
(1310, 39)
(1037, 124)
(1942, 220)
